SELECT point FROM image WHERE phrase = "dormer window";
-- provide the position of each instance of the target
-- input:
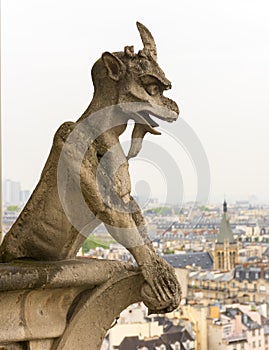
(177, 346)
(188, 344)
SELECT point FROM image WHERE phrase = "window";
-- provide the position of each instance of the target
(253, 332)
(187, 344)
(260, 343)
(226, 331)
(254, 344)
(233, 259)
(247, 275)
(262, 288)
(242, 346)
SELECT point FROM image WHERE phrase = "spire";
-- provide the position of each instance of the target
(225, 233)
(224, 206)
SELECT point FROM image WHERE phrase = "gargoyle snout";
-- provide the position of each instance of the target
(172, 107)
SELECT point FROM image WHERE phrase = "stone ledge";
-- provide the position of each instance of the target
(53, 303)
(29, 274)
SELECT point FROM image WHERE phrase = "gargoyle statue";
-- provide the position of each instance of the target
(126, 86)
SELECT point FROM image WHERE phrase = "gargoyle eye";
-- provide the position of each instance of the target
(153, 89)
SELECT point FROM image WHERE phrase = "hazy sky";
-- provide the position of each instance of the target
(216, 53)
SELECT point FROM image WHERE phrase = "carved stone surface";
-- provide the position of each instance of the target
(94, 315)
(40, 309)
(86, 181)
(59, 274)
(60, 307)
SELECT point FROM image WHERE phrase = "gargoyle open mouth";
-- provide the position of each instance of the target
(143, 124)
(146, 119)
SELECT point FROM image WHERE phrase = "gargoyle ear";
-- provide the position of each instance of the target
(115, 67)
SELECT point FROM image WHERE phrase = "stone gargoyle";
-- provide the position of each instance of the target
(127, 85)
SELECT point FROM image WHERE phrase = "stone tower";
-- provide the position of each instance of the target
(225, 249)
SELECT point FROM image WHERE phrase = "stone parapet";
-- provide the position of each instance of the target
(65, 304)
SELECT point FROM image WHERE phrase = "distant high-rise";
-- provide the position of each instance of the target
(11, 192)
(24, 196)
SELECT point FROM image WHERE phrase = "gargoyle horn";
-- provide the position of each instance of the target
(140, 129)
(147, 40)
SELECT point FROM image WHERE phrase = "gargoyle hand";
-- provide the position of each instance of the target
(161, 291)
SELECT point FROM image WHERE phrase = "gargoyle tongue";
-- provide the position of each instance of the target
(140, 129)
(146, 119)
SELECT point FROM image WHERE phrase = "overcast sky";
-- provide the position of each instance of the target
(216, 53)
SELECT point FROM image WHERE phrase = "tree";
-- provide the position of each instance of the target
(14, 208)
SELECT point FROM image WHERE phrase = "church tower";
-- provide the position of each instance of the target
(225, 249)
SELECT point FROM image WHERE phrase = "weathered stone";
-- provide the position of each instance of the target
(41, 312)
(45, 344)
(96, 312)
(34, 314)
(17, 346)
(24, 274)
(86, 181)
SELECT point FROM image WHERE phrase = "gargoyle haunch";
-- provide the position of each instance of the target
(45, 231)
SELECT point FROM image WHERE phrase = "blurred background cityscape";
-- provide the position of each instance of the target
(221, 250)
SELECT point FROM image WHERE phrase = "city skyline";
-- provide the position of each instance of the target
(23, 195)
(13, 194)
(215, 54)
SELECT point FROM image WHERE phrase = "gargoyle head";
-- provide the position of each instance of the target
(124, 77)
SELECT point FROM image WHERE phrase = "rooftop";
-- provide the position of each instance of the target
(180, 335)
(201, 259)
